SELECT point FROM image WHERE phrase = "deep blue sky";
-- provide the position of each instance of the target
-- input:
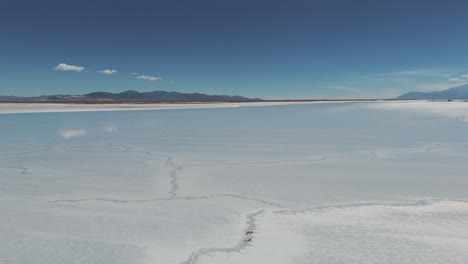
(270, 49)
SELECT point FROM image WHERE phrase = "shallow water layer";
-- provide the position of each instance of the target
(368, 182)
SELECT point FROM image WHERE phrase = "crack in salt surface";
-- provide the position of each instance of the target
(323, 158)
(141, 201)
(46, 149)
(430, 149)
(426, 202)
(25, 170)
(246, 241)
(169, 163)
(435, 147)
(174, 176)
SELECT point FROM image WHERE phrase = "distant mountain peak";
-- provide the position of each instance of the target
(129, 92)
(459, 92)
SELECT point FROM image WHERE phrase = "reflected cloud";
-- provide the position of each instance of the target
(73, 133)
(110, 128)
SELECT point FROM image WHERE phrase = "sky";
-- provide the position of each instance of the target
(270, 49)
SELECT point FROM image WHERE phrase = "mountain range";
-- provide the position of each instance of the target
(460, 92)
(131, 95)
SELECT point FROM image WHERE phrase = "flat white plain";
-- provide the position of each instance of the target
(369, 182)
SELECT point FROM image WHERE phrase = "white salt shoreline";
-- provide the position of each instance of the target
(17, 108)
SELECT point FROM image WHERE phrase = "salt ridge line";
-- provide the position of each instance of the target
(425, 202)
(246, 241)
(25, 170)
(45, 149)
(141, 201)
(252, 227)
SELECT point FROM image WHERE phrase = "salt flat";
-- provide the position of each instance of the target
(14, 108)
(362, 182)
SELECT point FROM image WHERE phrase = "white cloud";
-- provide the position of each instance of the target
(66, 67)
(148, 78)
(462, 78)
(108, 71)
(134, 73)
(73, 133)
(110, 128)
(419, 72)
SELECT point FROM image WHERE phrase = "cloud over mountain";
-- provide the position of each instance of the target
(148, 78)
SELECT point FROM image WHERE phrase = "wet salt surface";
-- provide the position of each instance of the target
(318, 183)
